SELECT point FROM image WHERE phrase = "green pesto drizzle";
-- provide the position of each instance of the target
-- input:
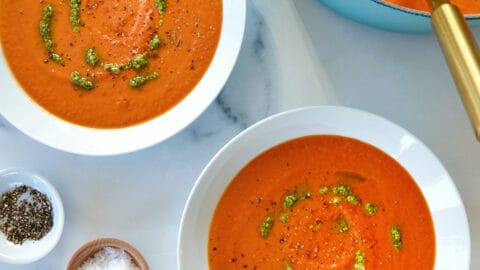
(324, 190)
(342, 225)
(91, 57)
(45, 24)
(266, 226)
(288, 266)
(56, 57)
(155, 43)
(342, 190)
(370, 209)
(359, 261)
(79, 81)
(140, 80)
(306, 195)
(137, 62)
(336, 200)
(290, 200)
(113, 68)
(396, 235)
(352, 199)
(75, 15)
(345, 192)
(284, 218)
(45, 33)
(161, 7)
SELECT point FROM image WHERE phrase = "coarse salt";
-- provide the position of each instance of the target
(109, 258)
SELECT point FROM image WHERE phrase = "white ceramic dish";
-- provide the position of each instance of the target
(31, 251)
(381, 14)
(48, 129)
(450, 221)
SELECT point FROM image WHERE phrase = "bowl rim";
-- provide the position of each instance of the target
(417, 12)
(86, 250)
(383, 15)
(41, 184)
(34, 121)
(206, 181)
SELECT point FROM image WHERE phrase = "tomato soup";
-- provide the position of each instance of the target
(109, 64)
(468, 7)
(322, 202)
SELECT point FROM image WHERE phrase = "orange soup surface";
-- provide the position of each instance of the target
(172, 42)
(468, 7)
(322, 202)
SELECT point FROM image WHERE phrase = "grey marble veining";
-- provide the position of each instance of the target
(246, 97)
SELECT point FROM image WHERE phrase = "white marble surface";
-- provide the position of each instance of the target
(294, 54)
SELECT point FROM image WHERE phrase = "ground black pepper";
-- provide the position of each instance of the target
(25, 214)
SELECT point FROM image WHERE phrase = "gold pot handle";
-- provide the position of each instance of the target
(462, 55)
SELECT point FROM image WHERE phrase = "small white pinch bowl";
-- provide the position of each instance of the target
(31, 251)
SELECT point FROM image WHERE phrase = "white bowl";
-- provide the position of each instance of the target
(445, 204)
(31, 119)
(31, 251)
